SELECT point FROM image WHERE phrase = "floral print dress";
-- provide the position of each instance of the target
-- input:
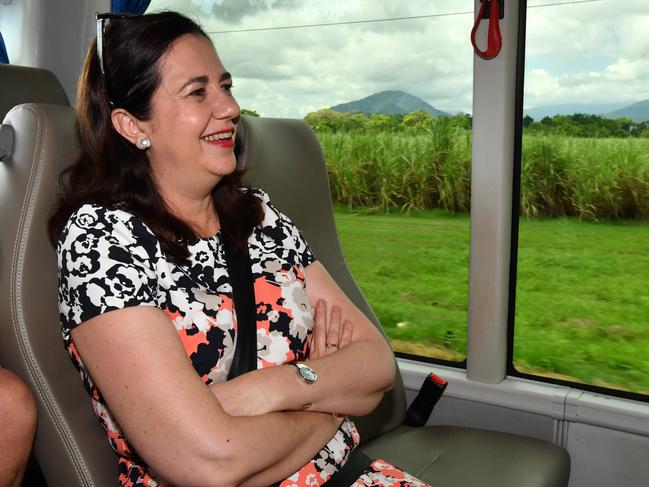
(109, 259)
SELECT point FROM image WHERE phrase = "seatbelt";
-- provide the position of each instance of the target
(243, 297)
(357, 463)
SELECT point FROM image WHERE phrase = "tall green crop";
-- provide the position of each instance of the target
(560, 176)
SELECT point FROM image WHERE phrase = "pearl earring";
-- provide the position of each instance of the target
(144, 143)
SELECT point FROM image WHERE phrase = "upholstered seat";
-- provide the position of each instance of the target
(21, 84)
(70, 447)
(284, 158)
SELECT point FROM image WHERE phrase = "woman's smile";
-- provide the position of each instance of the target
(223, 139)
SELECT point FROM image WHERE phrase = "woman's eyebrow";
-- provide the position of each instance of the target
(198, 79)
(204, 79)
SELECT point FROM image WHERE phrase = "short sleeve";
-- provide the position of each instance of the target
(280, 227)
(106, 259)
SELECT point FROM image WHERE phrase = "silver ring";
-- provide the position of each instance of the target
(331, 345)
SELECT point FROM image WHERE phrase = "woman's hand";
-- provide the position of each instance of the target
(329, 335)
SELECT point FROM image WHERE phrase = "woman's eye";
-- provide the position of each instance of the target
(198, 92)
(227, 88)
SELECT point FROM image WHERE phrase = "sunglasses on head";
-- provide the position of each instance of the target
(101, 27)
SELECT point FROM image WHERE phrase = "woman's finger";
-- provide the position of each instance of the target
(319, 339)
(346, 335)
(334, 330)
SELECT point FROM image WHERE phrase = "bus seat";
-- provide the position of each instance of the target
(70, 446)
(285, 159)
(21, 84)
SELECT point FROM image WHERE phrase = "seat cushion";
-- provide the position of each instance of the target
(451, 456)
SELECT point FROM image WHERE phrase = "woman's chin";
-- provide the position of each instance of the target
(223, 167)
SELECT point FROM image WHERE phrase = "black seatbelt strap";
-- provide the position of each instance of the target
(243, 296)
(357, 463)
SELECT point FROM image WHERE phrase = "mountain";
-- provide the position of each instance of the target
(537, 113)
(638, 112)
(388, 103)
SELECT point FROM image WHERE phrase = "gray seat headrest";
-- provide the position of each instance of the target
(21, 84)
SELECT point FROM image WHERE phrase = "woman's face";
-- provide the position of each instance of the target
(194, 119)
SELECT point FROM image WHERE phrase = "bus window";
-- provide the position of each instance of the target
(398, 157)
(582, 305)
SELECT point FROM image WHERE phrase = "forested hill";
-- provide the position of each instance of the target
(638, 112)
(388, 103)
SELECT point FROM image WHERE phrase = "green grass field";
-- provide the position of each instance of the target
(582, 297)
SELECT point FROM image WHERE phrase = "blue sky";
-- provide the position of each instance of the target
(587, 52)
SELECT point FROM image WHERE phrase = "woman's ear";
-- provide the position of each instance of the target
(130, 128)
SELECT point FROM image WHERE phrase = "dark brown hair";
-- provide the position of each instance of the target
(111, 171)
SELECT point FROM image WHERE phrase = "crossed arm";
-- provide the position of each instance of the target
(197, 435)
(351, 381)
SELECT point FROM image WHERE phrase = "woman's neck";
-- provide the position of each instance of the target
(198, 213)
(191, 203)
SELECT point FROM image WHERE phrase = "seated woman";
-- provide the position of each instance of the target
(145, 296)
(18, 425)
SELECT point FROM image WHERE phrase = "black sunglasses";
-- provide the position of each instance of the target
(101, 23)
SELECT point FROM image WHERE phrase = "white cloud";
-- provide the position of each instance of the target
(588, 53)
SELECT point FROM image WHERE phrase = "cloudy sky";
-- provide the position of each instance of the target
(593, 52)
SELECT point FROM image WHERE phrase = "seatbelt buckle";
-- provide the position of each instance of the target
(429, 393)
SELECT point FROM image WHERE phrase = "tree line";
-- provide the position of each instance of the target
(576, 125)
(328, 120)
(585, 125)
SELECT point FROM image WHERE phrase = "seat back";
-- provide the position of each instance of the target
(70, 446)
(284, 157)
(21, 84)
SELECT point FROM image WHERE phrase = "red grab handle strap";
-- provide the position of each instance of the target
(494, 39)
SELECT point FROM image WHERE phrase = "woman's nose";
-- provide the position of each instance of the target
(226, 107)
